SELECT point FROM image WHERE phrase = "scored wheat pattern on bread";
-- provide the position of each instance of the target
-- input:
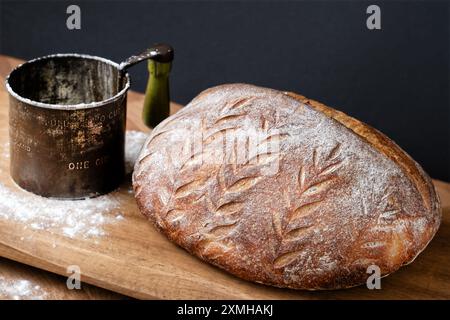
(233, 176)
(392, 222)
(313, 182)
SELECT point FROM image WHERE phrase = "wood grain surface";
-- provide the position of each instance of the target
(135, 260)
(22, 282)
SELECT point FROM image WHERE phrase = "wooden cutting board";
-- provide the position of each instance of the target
(132, 258)
(23, 282)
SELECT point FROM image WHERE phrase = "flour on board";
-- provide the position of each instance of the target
(79, 218)
(20, 290)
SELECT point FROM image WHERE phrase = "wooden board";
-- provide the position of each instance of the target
(22, 282)
(135, 260)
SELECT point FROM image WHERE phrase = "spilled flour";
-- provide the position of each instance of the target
(134, 140)
(79, 218)
(20, 289)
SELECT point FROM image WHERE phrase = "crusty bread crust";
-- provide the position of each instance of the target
(344, 196)
(386, 146)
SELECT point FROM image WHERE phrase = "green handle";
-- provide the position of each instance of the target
(157, 95)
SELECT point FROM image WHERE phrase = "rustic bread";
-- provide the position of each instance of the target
(316, 200)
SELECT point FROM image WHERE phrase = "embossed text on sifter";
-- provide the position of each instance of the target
(67, 118)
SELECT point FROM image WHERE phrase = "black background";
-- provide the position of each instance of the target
(396, 79)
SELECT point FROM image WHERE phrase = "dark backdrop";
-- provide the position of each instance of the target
(396, 79)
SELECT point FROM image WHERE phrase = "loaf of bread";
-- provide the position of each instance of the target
(282, 190)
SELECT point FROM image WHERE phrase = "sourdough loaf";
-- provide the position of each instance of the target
(282, 190)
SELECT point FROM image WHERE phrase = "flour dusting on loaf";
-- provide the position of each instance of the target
(276, 190)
